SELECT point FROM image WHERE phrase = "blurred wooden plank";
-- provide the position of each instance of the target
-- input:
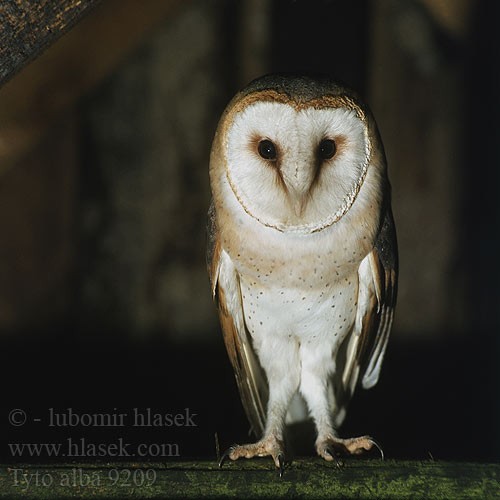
(51, 84)
(256, 478)
(28, 27)
(418, 95)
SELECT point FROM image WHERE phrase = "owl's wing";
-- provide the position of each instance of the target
(378, 320)
(226, 292)
(378, 274)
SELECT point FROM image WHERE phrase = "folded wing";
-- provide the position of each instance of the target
(360, 359)
(250, 377)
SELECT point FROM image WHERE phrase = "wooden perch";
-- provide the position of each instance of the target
(256, 478)
(27, 27)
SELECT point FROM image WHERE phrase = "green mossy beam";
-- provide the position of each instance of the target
(257, 478)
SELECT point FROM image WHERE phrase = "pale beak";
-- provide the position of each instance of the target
(298, 179)
(297, 200)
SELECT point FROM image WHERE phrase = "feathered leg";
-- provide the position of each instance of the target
(280, 361)
(315, 374)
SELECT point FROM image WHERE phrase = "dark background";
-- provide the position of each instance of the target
(104, 147)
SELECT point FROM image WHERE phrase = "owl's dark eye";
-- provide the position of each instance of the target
(267, 150)
(327, 149)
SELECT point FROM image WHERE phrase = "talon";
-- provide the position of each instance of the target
(225, 456)
(281, 464)
(379, 448)
(339, 464)
(263, 448)
(330, 452)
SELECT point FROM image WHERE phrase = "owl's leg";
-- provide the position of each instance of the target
(316, 365)
(283, 376)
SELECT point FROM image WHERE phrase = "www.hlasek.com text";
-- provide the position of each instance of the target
(83, 448)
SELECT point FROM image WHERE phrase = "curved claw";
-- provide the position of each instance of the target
(379, 448)
(282, 465)
(338, 463)
(225, 456)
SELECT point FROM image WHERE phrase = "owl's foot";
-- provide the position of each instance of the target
(269, 446)
(330, 447)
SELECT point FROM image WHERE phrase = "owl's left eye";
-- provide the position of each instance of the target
(327, 149)
(267, 149)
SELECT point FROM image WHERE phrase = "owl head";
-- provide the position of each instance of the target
(295, 153)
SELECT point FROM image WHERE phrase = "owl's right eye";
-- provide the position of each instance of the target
(327, 149)
(267, 149)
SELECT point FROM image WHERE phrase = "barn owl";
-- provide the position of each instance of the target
(302, 256)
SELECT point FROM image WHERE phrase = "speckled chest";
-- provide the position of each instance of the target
(306, 295)
(304, 312)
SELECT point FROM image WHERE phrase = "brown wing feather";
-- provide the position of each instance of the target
(249, 375)
(213, 248)
(244, 369)
(378, 321)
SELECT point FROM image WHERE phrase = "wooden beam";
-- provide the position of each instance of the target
(28, 27)
(256, 478)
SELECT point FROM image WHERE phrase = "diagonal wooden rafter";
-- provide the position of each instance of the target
(28, 27)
